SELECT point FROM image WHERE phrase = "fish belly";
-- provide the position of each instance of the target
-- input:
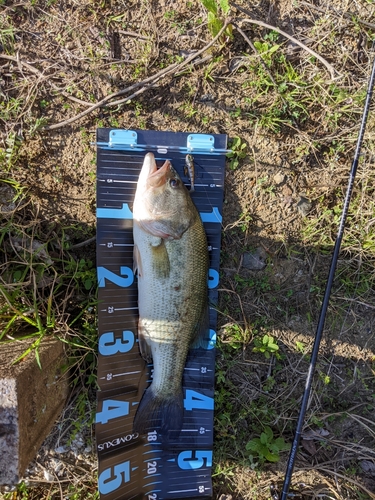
(172, 302)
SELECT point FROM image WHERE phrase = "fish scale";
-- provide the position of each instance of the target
(171, 257)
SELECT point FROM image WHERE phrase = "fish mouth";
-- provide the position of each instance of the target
(151, 175)
(158, 177)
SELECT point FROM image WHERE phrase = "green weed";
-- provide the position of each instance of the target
(267, 346)
(238, 152)
(6, 33)
(234, 336)
(9, 154)
(217, 11)
(266, 447)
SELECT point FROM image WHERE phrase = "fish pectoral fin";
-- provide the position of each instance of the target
(144, 346)
(160, 258)
(137, 263)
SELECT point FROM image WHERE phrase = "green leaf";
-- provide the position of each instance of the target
(273, 49)
(263, 438)
(254, 444)
(17, 275)
(269, 432)
(281, 444)
(210, 5)
(225, 7)
(260, 46)
(214, 24)
(87, 284)
(272, 457)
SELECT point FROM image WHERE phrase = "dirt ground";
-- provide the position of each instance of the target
(298, 119)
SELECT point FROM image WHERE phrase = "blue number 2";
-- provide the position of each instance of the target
(125, 280)
(121, 473)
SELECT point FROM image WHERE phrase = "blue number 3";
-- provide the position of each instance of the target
(109, 345)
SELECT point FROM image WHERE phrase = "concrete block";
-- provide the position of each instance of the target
(31, 399)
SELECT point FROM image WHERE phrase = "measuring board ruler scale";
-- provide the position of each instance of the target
(133, 466)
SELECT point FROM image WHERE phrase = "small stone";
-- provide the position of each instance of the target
(48, 476)
(279, 178)
(60, 449)
(255, 261)
(304, 206)
(287, 190)
(7, 196)
(367, 466)
(207, 97)
(287, 201)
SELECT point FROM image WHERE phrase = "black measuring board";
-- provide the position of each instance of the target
(132, 466)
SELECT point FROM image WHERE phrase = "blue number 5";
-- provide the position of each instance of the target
(186, 459)
(121, 473)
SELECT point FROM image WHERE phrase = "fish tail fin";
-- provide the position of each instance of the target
(156, 410)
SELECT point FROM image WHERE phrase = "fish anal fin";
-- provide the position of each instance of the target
(160, 259)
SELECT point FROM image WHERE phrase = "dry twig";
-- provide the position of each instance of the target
(334, 74)
(142, 86)
(42, 76)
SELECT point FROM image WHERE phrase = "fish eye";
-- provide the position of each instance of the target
(174, 183)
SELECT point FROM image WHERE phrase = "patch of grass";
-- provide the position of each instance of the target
(36, 288)
(6, 33)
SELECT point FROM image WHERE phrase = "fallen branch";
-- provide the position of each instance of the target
(334, 74)
(144, 84)
(36, 71)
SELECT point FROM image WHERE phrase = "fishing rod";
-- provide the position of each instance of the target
(327, 293)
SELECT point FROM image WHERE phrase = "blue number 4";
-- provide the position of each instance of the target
(112, 409)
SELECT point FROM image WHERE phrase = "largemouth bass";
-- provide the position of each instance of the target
(171, 260)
